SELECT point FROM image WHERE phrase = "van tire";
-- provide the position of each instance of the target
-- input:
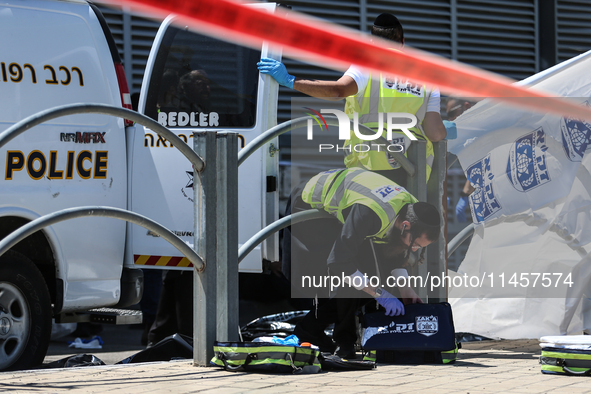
(25, 313)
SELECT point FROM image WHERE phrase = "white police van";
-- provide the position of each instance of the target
(61, 52)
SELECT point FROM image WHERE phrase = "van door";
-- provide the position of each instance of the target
(195, 82)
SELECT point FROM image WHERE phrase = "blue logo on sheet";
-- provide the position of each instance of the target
(526, 167)
(576, 137)
(483, 200)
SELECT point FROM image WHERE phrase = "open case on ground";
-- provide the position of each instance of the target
(425, 334)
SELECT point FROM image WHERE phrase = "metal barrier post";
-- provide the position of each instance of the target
(417, 186)
(204, 283)
(227, 237)
(436, 255)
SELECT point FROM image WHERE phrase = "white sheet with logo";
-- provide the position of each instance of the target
(533, 205)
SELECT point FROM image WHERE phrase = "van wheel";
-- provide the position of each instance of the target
(25, 313)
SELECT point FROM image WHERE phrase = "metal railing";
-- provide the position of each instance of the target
(285, 127)
(278, 225)
(98, 211)
(215, 289)
(460, 238)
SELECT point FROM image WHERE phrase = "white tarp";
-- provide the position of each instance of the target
(533, 205)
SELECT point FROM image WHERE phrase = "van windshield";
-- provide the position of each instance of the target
(199, 81)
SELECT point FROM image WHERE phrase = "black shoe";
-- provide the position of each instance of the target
(346, 352)
(324, 343)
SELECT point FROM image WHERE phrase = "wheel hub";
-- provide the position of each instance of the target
(15, 323)
(5, 325)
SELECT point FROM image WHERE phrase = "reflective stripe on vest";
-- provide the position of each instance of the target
(377, 98)
(336, 190)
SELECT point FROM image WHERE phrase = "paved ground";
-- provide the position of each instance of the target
(491, 366)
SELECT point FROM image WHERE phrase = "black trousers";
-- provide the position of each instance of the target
(341, 312)
(306, 246)
(175, 307)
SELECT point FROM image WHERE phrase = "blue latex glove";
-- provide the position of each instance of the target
(461, 209)
(277, 70)
(452, 130)
(394, 307)
(290, 340)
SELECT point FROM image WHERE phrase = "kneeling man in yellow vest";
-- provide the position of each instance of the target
(356, 258)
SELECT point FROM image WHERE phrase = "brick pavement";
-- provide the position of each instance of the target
(482, 367)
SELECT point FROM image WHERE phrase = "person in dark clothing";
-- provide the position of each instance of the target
(379, 224)
(175, 307)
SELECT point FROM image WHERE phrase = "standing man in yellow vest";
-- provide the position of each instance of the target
(356, 257)
(367, 95)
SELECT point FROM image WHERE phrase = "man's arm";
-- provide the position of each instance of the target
(360, 223)
(344, 259)
(331, 90)
(433, 127)
(392, 304)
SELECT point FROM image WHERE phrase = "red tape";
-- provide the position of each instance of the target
(337, 47)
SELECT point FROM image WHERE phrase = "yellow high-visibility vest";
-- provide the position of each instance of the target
(336, 190)
(386, 95)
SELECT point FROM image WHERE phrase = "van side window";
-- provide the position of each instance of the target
(199, 81)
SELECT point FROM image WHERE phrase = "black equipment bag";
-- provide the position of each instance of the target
(425, 334)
